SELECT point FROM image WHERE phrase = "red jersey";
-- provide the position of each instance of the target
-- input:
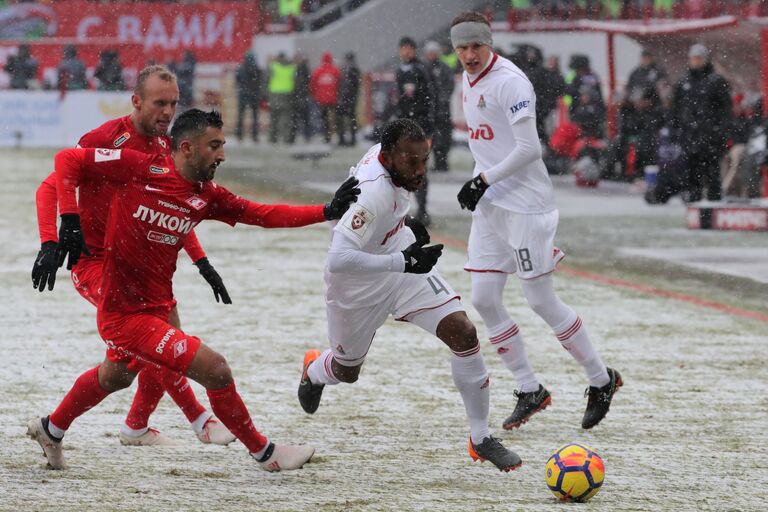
(154, 212)
(96, 193)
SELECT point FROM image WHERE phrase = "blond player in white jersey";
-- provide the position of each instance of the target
(378, 267)
(514, 219)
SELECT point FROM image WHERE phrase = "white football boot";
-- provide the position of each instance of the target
(152, 437)
(284, 457)
(214, 432)
(52, 449)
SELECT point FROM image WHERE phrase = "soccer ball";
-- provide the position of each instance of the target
(575, 473)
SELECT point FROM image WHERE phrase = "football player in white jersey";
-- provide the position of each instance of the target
(378, 266)
(514, 219)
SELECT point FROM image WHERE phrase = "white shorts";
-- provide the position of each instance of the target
(422, 299)
(508, 242)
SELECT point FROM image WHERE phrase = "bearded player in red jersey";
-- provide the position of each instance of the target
(158, 202)
(154, 104)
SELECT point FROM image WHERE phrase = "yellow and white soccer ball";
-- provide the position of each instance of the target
(575, 473)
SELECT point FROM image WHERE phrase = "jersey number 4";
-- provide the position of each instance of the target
(436, 285)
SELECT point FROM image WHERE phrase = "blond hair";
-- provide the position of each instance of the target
(162, 72)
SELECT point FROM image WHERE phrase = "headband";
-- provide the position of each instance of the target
(468, 32)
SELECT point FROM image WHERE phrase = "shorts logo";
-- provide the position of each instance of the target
(196, 203)
(158, 170)
(358, 222)
(105, 155)
(340, 349)
(121, 139)
(486, 383)
(179, 348)
(162, 238)
(167, 336)
(481, 103)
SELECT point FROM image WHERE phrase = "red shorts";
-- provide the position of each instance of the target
(148, 337)
(86, 276)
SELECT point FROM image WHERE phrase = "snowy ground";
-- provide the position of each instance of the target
(687, 432)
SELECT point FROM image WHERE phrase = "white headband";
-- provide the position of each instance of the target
(468, 32)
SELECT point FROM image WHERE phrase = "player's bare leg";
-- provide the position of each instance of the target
(88, 391)
(211, 370)
(471, 378)
(153, 383)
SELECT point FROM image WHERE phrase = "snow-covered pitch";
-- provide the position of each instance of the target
(686, 432)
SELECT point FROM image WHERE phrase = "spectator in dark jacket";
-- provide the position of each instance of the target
(324, 88)
(300, 105)
(21, 67)
(415, 101)
(701, 113)
(71, 71)
(548, 84)
(584, 79)
(443, 83)
(249, 78)
(185, 77)
(109, 72)
(346, 112)
(647, 75)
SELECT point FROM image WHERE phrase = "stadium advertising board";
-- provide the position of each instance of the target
(46, 119)
(213, 31)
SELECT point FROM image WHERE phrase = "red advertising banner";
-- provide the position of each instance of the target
(215, 31)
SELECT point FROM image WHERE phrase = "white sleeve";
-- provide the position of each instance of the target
(344, 257)
(527, 150)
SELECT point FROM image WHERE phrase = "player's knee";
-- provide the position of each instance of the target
(113, 378)
(219, 374)
(458, 332)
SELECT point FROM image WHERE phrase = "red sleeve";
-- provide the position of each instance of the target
(46, 202)
(281, 215)
(120, 165)
(231, 208)
(192, 246)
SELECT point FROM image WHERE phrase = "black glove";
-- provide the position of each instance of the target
(346, 194)
(420, 260)
(71, 240)
(418, 228)
(44, 269)
(214, 279)
(471, 193)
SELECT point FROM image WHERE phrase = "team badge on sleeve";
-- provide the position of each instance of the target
(105, 155)
(359, 221)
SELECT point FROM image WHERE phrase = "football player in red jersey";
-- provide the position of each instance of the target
(161, 199)
(154, 104)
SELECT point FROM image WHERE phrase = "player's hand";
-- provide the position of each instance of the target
(71, 240)
(418, 228)
(471, 193)
(214, 279)
(420, 260)
(44, 269)
(346, 194)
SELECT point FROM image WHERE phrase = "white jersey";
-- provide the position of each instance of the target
(375, 224)
(496, 99)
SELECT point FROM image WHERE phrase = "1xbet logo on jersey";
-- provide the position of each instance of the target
(519, 106)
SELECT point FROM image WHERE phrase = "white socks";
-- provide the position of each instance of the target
(132, 432)
(540, 294)
(200, 422)
(56, 431)
(471, 378)
(503, 332)
(320, 371)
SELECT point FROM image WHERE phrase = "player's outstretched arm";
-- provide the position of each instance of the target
(45, 266)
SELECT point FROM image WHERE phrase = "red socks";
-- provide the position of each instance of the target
(85, 393)
(230, 409)
(153, 382)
